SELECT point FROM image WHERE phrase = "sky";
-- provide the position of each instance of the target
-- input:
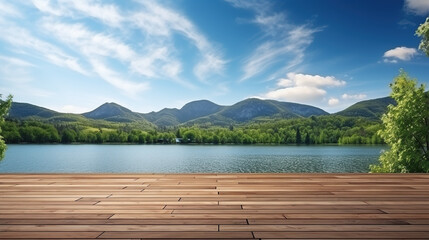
(74, 55)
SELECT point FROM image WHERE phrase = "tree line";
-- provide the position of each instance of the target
(313, 130)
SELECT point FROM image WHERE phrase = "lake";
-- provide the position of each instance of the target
(187, 159)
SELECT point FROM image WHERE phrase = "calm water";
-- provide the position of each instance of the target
(187, 159)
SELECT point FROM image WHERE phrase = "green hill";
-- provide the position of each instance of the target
(256, 109)
(114, 113)
(26, 110)
(370, 108)
(190, 111)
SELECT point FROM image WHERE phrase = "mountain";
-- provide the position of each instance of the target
(255, 109)
(26, 110)
(174, 116)
(201, 112)
(165, 117)
(115, 113)
(301, 109)
(370, 108)
(197, 109)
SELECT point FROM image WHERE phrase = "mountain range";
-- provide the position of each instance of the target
(202, 112)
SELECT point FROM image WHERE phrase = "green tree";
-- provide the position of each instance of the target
(4, 109)
(68, 136)
(423, 32)
(406, 128)
(307, 139)
(298, 136)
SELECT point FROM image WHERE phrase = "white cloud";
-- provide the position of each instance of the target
(333, 101)
(291, 47)
(160, 21)
(107, 13)
(48, 7)
(401, 53)
(303, 88)
(90, 43)
(21, 38)
(153, 62)
(353, 96)
(116, 80)
(16, 78)
(147, 65)
(299, 79)
(259, 6)
(7, 9)
(14, 74)
(210, 64)
(386, 60)
(65, 35)
(404, 23)
(16, 61)
(73, 109)
(157, 23)
(419, 7)
(302, 94)
(282, 41)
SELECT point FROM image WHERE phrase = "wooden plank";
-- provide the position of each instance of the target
(197, 216)
(55, 216)
(178, 235)
(283, 211)
(357, 216)
(344, 235)
(332, 221)
(326, 228)
(105, 227)
(48, 235)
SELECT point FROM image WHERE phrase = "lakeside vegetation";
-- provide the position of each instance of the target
(311, 130)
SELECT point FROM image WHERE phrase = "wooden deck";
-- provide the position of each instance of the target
(214, 206)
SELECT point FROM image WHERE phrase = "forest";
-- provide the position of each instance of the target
(313, 130)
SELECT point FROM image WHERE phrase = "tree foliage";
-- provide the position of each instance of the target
(313, 130)
(4, 109)
(406, 128)
(423, 32)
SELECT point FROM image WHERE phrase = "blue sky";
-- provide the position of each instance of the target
(73, 55)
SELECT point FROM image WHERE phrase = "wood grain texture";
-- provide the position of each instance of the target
(214, 206)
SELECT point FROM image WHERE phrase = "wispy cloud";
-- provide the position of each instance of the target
(353, 96)
(399, 53)
(95, 46)
(16, 61)
(21, 38)
(16, 78)
(405, 23)
(47, 6)
(107, 13)
(281, 41)
(93, 37)
(116, 80)
(15, 71)
(159, 21)
(9, 10)
(88, 42)
(303, 88)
